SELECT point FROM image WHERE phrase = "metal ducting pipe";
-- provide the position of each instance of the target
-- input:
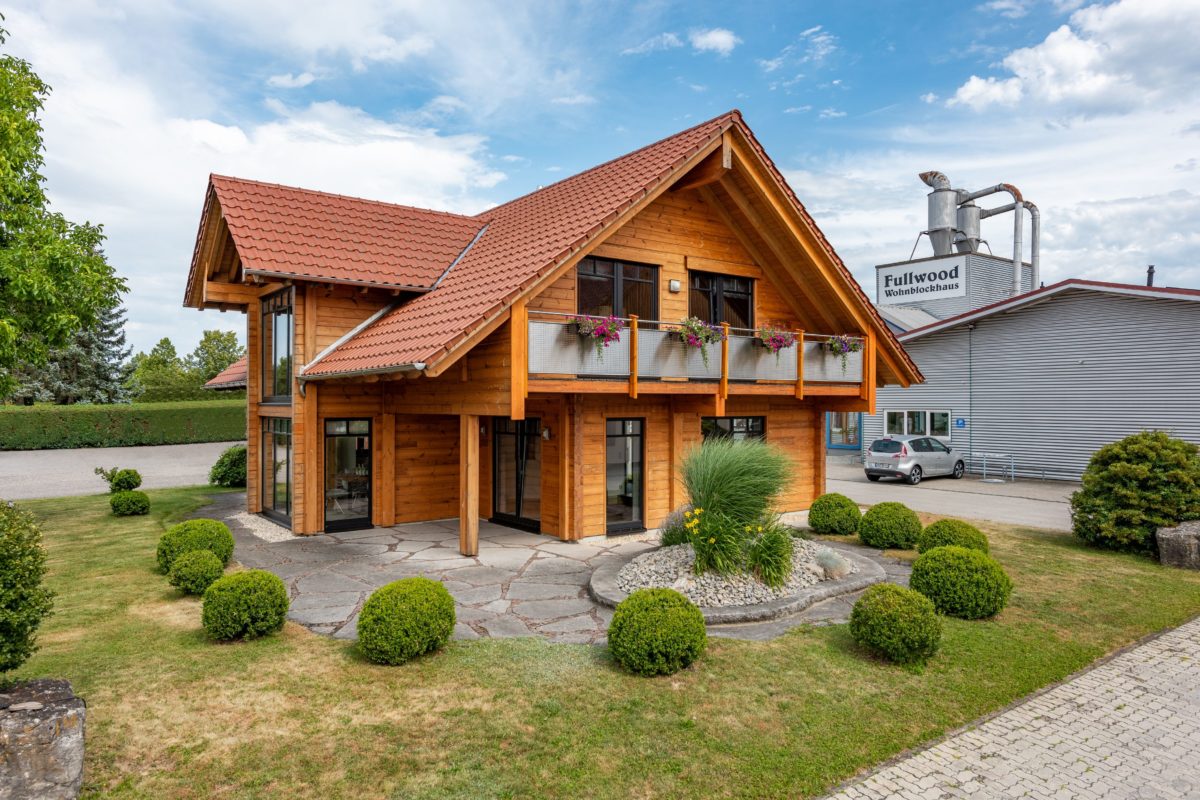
(1018, 228)
(943, 204)
(1035, 242)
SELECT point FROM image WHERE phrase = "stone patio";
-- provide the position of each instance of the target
(520, 584)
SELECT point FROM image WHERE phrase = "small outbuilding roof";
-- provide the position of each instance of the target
(232, 377)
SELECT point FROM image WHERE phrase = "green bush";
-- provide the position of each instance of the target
(120, 480)
(834, 513)
(129, 504)
(405, 619)
(1135, 486)
(656, 632)
(961, 583)
(244, 605)
(195, 571)
(737, 479)
(672, 530)
(769, 554)
(716, 540)
(951, 531)
(43, 427)
(24, 602)
(899, 623)
(194, 534)
(889, 525)
(230, 469)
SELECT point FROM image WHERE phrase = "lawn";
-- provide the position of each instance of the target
(301, 716)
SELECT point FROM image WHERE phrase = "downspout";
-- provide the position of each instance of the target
(1018, 227)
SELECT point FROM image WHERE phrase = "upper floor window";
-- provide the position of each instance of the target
(617, 288)
(718, 298)
(277, 345)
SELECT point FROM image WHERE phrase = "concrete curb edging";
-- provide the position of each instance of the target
(604, 590)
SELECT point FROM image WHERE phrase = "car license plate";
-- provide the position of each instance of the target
(879, 465)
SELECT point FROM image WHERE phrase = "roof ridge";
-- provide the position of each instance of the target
(733, 113)
(354, 198)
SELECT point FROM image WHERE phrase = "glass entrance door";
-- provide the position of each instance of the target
(347, 474)
(624, 475)
(517, 472)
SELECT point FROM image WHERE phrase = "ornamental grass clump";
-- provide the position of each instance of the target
(656, 632)
(769, 553)
(887, 525)
(962, 583)
(737, 479)
(834, 513)
(405, 619)
(194, 534)
(898, 623)
(244, 605)
(1135, 486)
(951, 531)
(193, 572)
(24, 601)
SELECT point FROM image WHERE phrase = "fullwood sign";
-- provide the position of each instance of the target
(910, 282)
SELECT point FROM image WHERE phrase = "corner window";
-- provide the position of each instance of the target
(717, 298)
(733, 427)
(917, 422)
(617, 288)
(277, 468)
(277, 343)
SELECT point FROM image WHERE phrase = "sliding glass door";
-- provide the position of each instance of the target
(277, 468)
(347, 474)
(517, 472)
(624, 475)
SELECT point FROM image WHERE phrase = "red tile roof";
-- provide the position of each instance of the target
(232, 377)
(298, 233)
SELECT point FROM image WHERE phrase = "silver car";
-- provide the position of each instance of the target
(911, 458)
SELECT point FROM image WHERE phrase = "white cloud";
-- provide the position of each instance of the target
(714, 40)
(663, 41)
(290, 81)
(929, 98)
(1108, 59)
(1013, 9)
(578, 99)
(831, 113)
(797, 109)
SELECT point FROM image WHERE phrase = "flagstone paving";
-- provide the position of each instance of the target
(1129, 728)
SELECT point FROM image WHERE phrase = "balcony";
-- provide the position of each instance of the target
(651, 358)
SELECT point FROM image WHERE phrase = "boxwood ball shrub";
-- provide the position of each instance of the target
(24, 601)
(896, 622)
(834, 513)
(129, 504)
(889, 525)
(1133, 487)
(195, 571)
(194, 534)
(230, 469)
(961, 583)
(656, 632)
(405, 619)
(244, 605)
(952, 531)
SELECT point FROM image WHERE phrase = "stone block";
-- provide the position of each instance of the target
(1180, 546)
(41, 741)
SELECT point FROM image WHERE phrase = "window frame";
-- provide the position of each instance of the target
(716, 297)
(638, 524)
(927, 415)
(269, 307)
(750, 418)
(618, 281)
(267, 476)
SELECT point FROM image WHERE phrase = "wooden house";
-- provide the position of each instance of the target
(409, 365)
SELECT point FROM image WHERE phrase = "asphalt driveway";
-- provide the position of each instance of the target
(27, 474)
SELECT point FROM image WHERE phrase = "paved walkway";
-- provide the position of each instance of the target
(26, 474)
(1129, 728)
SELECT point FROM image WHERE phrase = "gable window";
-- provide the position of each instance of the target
(277, 343)
(617, 288)
(718, 298)
(733, 427)
(918, 422)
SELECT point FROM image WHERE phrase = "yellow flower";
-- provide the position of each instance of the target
(687, 513)
(760, 528)
(698, 510)
(747, 529)
(712, 540)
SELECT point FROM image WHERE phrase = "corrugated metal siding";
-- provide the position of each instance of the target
(1054, 381)
(989, 280)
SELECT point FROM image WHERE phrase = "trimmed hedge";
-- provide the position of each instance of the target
(230, 469)
(899, 623)
(656, 632)
(24, 601)
(46, 427)
(834, 513)
(129, 504)
(244, 605)
(194, 534)
(405, 619)
(193, 572)
(889, 525)
(962, 583)
(951, 531)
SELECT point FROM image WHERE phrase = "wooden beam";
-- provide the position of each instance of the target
(519, 359)
(566, 511)
(384, 444)
(314, 506)
(724, 384)
(799, 365)
(231, 294)
(468, 485)
(712, 169)
(577, 502)
(633, 356)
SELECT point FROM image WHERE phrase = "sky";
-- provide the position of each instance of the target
(1090, 109)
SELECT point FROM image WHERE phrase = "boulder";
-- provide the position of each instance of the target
(41, 741)
(1180, 546)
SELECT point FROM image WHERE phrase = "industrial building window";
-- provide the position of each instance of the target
(617, 288)
(733, 427)
(277, 343)
(917, 422)
(718, 298)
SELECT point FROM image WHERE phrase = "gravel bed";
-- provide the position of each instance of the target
(262, 527)
(671, 568)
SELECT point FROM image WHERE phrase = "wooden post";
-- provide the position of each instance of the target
(519, 367)
(799, 365)
(724, 360)
(633, 355)
(863, 391)
(313, 439)
(468, 484)
(384, 444)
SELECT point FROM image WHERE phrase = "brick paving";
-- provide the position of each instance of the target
(1129, 728)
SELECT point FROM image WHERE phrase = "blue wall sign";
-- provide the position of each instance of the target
(960, 422)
